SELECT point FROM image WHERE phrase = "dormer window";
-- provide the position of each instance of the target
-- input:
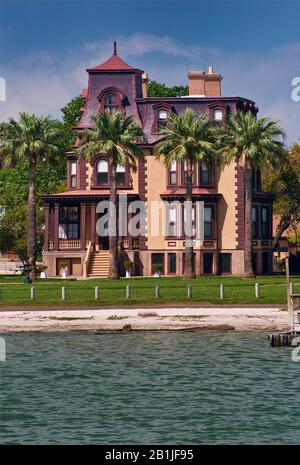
(161, 111)
(162, 119)
(218, 116)
(102, 173)
(111, 102)
(121, 175)
(173, 174)
(73, 174)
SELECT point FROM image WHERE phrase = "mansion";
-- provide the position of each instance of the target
(71, 241)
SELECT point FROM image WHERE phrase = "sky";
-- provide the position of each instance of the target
(46, 46)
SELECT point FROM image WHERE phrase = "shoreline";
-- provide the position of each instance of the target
(228, 318)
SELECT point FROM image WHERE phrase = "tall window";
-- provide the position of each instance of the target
(162, 118)
(209, 218)
(173, 174)
(111, 102)
(73, 173)
(69, 222)
(265, 213)
(121, 175)
(193, 220)
(184, 173)
(102, 173)
(206, 174)
(171, 221)
(255, 222)
(256, 180)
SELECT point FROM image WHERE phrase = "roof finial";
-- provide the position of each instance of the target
(115, 47)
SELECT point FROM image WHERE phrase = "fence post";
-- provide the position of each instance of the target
(63, 293)
(257, 290)
(96, 293)
(127, 291)
(221, 291)
(157, 292)
(291, 289)
(189, 291)
(32, 293)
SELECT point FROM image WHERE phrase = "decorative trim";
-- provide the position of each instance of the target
(142, 183)
(239, 207)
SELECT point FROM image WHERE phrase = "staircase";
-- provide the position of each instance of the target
(99, 264)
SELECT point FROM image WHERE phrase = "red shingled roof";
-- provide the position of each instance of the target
(114, 63)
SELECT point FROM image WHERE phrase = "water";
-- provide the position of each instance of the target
(153, 388)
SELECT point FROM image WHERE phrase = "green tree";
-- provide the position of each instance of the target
(157, 89)
(13, 228)
(117, 136)
(71, 116)
(186, 139)
(284, 182)
(254, 143)
(33, 139)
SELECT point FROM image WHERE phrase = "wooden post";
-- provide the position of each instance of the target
(63, 293)
(96, 293)
(157, 292)
(127, 291)
(221, 291)
(32, 293)
(257, 290)
(56, 226)
(291, 289)
(189, 291)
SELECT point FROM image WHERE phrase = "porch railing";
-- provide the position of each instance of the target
(90, 248)
(65, 244)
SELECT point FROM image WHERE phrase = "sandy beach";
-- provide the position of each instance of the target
(223, 318)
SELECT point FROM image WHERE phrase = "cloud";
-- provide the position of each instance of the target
(43, 82)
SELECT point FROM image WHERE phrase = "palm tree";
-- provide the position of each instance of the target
(117, 136)
(253, 143)
(34, 139)
(188, 139)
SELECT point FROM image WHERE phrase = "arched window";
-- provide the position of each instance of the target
(121, 175)
(111, 102)
(162, 118)
(218, 116)
(102, 172)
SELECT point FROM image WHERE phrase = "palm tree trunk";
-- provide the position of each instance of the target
(189, 256)
(31, 233)
(248, 268)
(113, 238)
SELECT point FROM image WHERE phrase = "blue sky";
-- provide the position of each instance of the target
(45, 47)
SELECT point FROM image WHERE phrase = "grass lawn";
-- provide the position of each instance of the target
(206, 290)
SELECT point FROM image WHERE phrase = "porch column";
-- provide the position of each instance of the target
(93, 222)
(46, 230)
(56, 226)
(83, 225)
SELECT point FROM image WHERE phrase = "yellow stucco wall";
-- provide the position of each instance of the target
(225, 185)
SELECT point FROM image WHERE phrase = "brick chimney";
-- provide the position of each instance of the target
(202, 84)
(145, 80)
